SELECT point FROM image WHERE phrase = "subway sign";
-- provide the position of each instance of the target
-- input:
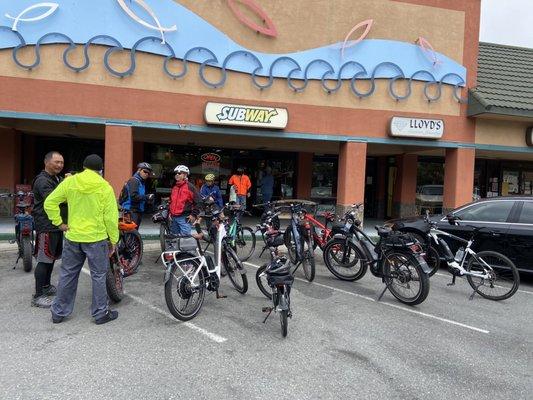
(416, 127)
(245, 115)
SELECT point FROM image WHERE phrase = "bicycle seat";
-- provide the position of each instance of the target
(383, 231)
(184, 243)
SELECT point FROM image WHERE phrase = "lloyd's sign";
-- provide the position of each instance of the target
(416, 127)
(249, 116)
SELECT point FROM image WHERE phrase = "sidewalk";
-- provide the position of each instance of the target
(149, 230)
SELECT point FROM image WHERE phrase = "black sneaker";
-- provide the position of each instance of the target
(110, 315)
(56, 319)
(49, 290)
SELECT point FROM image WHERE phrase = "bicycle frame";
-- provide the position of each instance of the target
(435, 235)
(322, 239)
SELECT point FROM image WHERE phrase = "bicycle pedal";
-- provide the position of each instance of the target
(12, 241)
(266, 309)
(221, 296)
(450, 284)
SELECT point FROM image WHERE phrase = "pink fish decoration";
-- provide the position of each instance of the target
(368, 23)
(428, 51)
(268, 29)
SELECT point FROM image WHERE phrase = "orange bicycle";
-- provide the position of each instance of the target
(126, 259)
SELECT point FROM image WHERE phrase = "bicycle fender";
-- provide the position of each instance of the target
(167, 275)
(422, 261)
(283, 304)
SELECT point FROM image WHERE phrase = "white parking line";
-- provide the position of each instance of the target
(449, 275)
(448, 321)
(213, 336)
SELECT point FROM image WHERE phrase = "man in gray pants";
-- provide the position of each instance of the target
(93, 219)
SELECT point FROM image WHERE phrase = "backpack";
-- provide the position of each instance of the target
(124, 194)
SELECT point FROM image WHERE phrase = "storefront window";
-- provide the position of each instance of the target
(222, 163)
(324, 182)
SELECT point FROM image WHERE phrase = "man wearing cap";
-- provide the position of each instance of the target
(92, 224)
(133, 197)
(241, 183)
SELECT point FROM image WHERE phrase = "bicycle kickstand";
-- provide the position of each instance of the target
(221, 296)
(267, 310)
(382, 293)
(453, 281)
(16, 262)
(474, 292)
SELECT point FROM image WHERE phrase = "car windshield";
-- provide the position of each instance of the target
(431, 190)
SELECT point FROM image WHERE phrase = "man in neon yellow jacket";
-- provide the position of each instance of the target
(92, 224)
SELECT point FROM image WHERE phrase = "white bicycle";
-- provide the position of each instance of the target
(491, 274)
(190, 272)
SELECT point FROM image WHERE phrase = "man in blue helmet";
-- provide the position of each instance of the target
(133, 197)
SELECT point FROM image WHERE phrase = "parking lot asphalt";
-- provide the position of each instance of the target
(342, 342)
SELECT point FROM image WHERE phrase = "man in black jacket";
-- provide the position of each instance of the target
(49, 244)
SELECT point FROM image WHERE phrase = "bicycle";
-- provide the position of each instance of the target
(126, 259)
(189, 272)
(298, 238)
(237, 233)
(163, 218)
(396, 258)
(24, 228)
(278, 275)
(483, 270)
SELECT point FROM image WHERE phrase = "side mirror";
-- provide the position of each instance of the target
(451, 219)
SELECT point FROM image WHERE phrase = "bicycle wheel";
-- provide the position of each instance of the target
(344, 260)
(27, 253)
(405, 278)
(114, 283)
(235, 270)
(162, 237)
(288, 239)
(130, 252)
(284, 322)
(503, 278)
(432, 259)
(184, 299)
(245, 242)
(308, 262)
(262, 284)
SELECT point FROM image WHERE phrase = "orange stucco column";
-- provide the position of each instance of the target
(9, 159)
(458, 177)
(305, 175)
(118, 155)
(351, 175)
(405, 186)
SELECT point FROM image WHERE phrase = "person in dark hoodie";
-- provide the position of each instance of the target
(49, 243)
(133, 197)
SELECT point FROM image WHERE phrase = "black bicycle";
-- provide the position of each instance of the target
(277, 276)
(396, 258)
(24, 228)
(298, 238)
(126, 259)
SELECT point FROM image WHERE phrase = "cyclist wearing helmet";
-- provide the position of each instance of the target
(184, 202)
(210, 191)
(133, 197)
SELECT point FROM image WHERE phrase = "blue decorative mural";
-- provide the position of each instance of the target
(166, 28)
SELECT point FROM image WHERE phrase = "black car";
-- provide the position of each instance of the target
(510, 219)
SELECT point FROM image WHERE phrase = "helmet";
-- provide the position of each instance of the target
(144, 165)
(210, 177)
(181, 168)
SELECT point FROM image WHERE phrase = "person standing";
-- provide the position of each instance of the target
(242, 185)
(92, 224)
(267, 185)
(184, 203)
(133, 197)
(211, 191)
(49, 239)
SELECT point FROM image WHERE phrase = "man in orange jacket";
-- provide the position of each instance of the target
(242, 186)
